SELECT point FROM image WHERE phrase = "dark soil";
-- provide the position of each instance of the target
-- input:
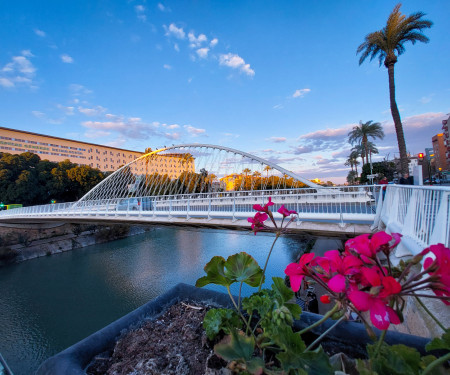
(175, 343)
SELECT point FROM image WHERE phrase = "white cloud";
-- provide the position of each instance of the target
(196, 41)
(236, 62)
(426, 99)
(97, 134)
(19, 72)
(214, 42)
(167, 66)
(175, 31)
(277, 139)
(95, 111)
(39, 33)
(203, 52)
(278, 106)
(140, 9)
(163, 8)
(78, 90)
(69, 111)
(194, 131)
(172, 126)
(300, 93)
(66, 59)
(176, 47)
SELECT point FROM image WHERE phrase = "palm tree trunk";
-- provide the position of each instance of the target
(397, 121)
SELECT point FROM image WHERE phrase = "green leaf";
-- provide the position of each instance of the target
(295, 309)
(283, 293)
(217, 320)
(439, 343)
(214, 273)
(242, 267)
(396, 360)
(314, 362)
(363, 368)
(236, 347)
(288, 341)
(262, 302)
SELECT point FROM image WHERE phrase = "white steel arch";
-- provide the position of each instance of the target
(194, 168)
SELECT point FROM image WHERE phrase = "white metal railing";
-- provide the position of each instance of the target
(353, 204)
(420, 213)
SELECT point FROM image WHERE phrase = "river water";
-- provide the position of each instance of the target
(50, 303)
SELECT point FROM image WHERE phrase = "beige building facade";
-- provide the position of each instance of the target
(104, 158)
(58, 149)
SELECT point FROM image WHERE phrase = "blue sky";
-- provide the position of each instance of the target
(279, 79)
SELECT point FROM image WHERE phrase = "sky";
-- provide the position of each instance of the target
(277, 79)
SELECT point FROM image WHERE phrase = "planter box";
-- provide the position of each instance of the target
(346, 337)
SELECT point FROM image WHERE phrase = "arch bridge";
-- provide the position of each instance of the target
(199, 184)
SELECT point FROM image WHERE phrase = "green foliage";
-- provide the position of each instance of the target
(440, 342)
(237, 268)
(26, 179)
(217, 320)
(386, 168)
(398, 360)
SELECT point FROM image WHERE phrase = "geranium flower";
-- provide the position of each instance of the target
(297, 271)
(285, 212)
(258, 221)
(345, 265)
(265, 209)
(368, 246)
(381, 314)
(439, 267)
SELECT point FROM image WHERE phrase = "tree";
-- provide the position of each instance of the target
(388, 44)
(385, 168)
(361, 133)
(352, 177)
(359, 152)
(372, 150)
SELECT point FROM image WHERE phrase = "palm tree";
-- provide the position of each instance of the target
(372, 150)
(387, 44)
(362, 132)
(359, 152)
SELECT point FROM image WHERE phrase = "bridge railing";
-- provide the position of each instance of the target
(420, 213)
(353, 203)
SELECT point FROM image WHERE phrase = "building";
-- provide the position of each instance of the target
(445, 124)
(105, 158)
(58, 149)
(440, 151)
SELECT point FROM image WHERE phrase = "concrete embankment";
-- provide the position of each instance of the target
(19, 242)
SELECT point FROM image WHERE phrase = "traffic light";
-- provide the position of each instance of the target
(53, 201)
(420, 157)
(2, 206)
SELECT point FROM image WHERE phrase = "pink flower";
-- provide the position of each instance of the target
(265, 209)
(284, 211)
(381, 314)
(368, 246)
(258, 221)
(440, 267)
(297, 271)
(337, 268)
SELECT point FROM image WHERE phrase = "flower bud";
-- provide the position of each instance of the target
(325, 298)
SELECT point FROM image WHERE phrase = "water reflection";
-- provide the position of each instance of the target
(49, 303)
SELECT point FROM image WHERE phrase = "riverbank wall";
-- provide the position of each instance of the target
(23, 242)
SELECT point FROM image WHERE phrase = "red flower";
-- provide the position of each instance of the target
(265, 209)
(258, 221)
(325, 298)
(381, 314)
(368, 246)
(284, 211)
(297, 271)
(439, 267)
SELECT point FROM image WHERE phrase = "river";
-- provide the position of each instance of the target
(50, 303)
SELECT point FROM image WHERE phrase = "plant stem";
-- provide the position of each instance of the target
(316, 341)
(319, 322)
(380, 341)
(430, 314)
(236, 307)
(267, 261)
(437, 362)
(239, 298)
